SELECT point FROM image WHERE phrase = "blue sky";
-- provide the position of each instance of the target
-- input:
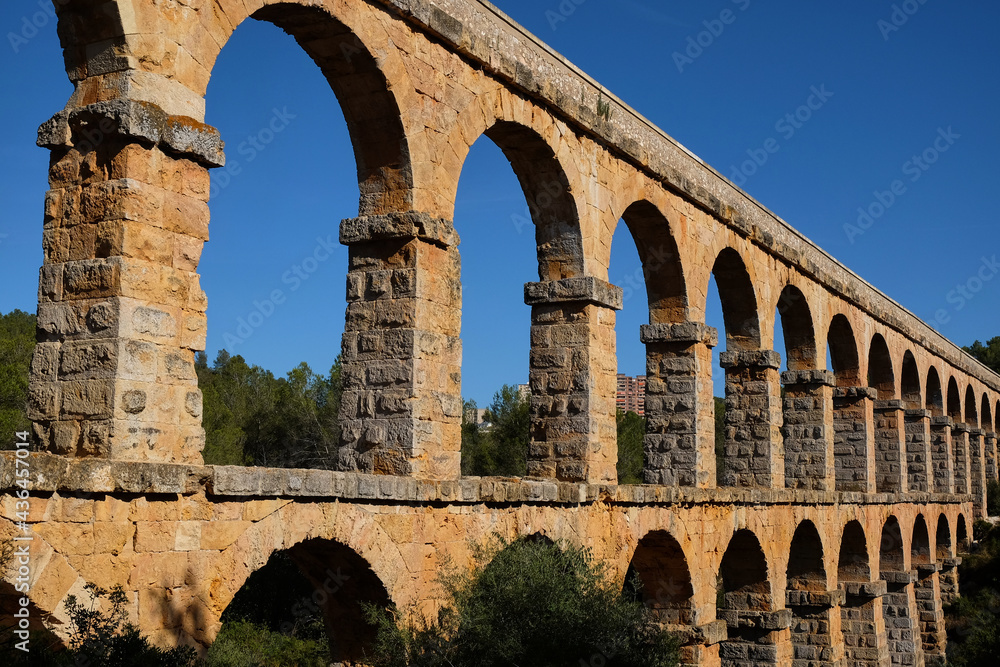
(720, 77)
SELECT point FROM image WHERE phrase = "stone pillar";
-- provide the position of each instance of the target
(401, 411)
(948, 580)
(816, 628)
(808, 429)
(120, 310)
(931, 614)
(680, 408)
(918, 455)
(990, 444)
(942, 462)
(890, 456)
(573, 378)
(960, 448)
(755, 637)
(901, 621)
(854, 441)
(863, 625)
(698, 643)
(977, 471)
(753, 452)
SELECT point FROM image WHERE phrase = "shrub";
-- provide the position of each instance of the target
(529, 603)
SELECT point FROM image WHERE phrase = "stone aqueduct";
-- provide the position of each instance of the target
(830, 536)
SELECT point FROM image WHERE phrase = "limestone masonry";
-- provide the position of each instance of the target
(829, 532)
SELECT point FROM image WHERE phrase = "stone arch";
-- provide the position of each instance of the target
(805, 560)
(844, 352)
(935, 397)
(954, 406)
(743, 575)
(798, 330)
(891, 547)
(342, 46)
(348, 537)
(666, 289)
(920, 546)
(739, 301)
(853, 565)
(909, 386)
(996, 417)
(942, 538)
(962, 543)
(880, 373)
(985, 414)
(971, 414)
(343, 581)
(744, 596)
(662, 569)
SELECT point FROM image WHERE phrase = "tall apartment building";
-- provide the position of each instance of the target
(631, 396)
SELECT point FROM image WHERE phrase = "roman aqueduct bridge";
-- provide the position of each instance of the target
(830, 534)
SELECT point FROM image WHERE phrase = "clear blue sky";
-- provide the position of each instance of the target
(892, 90)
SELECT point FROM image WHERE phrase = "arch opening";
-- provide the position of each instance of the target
(852, 564)
(942, 538)
(662, 570)
(935, 397)
(805, 561)
(890, 550)
(880, 374)
(796, 329)
(910, 382)
(844, 352)
(313, 591)
(920, 547)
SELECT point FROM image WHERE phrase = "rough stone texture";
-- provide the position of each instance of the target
(401, 411)
(753, 456)
(918, 456)
(122, 497)
(808, 440)
(942, 461)
(854, 444)
(680, 408)
(890, 457)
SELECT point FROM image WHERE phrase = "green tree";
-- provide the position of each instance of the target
(253, 418)
(501, 448)
(989, 354)
(972, 621)
(631, 430)
(530, 603)
(17, 342)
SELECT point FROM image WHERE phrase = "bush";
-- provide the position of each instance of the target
(245, 644)
(103, 638)
(993, 498)
(529, 603)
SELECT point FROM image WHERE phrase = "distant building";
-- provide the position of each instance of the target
(631, 396)
(523, 390)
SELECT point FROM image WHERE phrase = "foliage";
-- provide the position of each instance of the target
(529, 603)
(972, 620)
(993, 498)
(500, 449)
(103, 638)
(17, 342)
(252, 418)
(631, 429)
(245, 644)
(989, 354)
